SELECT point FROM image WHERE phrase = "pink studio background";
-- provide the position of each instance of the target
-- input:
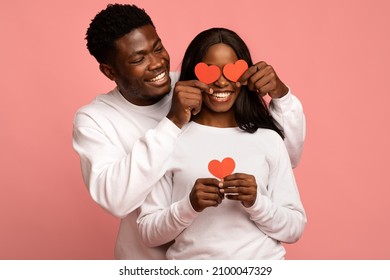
(334, 56)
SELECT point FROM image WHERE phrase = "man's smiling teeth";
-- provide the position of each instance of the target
(158, 77)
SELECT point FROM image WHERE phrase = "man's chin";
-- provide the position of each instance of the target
(161, 90)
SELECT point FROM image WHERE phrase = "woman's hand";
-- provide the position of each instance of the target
(241, 187)
(206, 193)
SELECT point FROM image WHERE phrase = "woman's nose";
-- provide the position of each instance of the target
(222, 81)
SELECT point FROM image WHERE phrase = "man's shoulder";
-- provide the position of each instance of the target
(97, 110)
(99, 102)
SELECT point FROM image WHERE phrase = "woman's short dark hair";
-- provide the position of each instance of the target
(251, 111)
(111, 24)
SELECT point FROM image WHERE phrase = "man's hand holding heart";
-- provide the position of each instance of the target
(186, 101)
(262, 78)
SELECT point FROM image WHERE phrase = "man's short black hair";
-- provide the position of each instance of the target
(111, 24)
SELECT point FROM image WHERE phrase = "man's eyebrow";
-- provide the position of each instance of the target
(143, 51)
(158, 41)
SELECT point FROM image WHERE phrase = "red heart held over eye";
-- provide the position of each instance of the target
(221, 169)
(207, 74)
(234, 71)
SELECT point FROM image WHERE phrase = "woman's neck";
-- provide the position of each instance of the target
(215, 119)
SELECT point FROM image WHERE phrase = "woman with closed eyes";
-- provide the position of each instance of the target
(230, 191)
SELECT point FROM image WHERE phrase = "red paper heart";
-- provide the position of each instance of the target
(234, 71)
(222, 169)
(207, 74)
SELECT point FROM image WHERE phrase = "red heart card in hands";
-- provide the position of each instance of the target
(207, 74)
(234, 71)
(221, 169)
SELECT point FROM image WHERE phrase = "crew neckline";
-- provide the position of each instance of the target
(220, 129)
(142, 109)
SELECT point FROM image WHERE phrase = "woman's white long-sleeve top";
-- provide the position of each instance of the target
(228, 231)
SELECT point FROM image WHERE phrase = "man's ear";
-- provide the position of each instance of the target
(107, 70)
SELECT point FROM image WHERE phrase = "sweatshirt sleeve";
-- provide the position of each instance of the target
(161, 221)
(279, 212)
(288, 113)
(117, 180)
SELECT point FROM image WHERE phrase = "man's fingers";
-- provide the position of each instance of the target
(194, 84)
(251, 71)
(190, 92)
(247, 74)
(264, 84)
(196, 109)
(192, 104)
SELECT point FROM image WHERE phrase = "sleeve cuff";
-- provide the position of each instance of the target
(278, 104)
(257, 210)
(169, 127)
(184, 211)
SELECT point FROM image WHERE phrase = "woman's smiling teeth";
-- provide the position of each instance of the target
(158, 77)
(220, 96)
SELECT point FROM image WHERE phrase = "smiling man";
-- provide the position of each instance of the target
(124, 137)
(140, 67)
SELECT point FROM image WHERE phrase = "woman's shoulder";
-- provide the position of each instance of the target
(269, 133)
(268, 139)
